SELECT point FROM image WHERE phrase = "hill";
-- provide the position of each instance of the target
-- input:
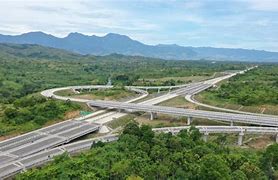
(9, 50)
(121, 44)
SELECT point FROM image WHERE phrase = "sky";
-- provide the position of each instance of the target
(251, 24)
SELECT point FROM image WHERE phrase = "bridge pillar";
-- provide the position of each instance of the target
(232, 123)
(276, 138)
(189, 120)
(205, 137)
(153, 115)
(158, 90)
(240, 138)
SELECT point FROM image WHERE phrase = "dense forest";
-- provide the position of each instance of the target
(256, 87)
(140, 154)
(28, 69)
(32, 112)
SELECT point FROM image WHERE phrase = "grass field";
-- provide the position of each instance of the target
(209, 98)
(255, 91)
(101, 94)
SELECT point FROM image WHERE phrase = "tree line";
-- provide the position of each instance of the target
(141, 154)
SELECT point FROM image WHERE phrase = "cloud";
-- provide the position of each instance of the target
(186, 22)
(264, 5)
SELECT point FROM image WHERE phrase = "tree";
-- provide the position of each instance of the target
(238, 175)
(132, 129)
(252, 171)
(213, 167)
(146, 134)
(11, 113)
(269, 160)
(194, 133)
(120, 169)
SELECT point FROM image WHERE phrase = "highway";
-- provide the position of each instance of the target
(50, 93)
(190, 98)
(222, 129)
(14, 167)
(21, 164)
(44, 138)
(211, 115)
(41, 145)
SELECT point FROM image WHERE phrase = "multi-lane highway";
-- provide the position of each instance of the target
(221, 116)
(45, 138)
(39, 146)
(21, 164)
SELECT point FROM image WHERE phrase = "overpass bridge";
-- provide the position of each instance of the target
(22, 152)
(13, 167)
(190, 113)
(44, 138)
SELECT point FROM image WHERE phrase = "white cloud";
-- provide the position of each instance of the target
(64, 16)
(185, 22)
(263, 5)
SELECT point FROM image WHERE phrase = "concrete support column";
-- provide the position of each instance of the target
(153, 115)
(240, 138)
(158, 90)
(276, 138)
(189, 120)
(205, 137)
(232, 123)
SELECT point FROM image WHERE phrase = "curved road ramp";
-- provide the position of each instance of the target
(21, 164)
(42, 139)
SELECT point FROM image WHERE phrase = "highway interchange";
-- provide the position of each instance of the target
(37, 147)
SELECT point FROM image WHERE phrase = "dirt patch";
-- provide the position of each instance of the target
(161, 120)
(260, 142)
(72, 114)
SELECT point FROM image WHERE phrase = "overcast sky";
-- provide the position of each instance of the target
(249, 24)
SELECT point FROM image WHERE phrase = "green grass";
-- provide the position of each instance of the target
(29, 69)
(121, 122)
(254, 91)
(101, 94)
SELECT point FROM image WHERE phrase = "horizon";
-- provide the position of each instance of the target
(240, 24)
(101, 36)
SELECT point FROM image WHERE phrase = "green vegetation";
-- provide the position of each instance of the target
(115, 93)
(31, 112)
(28, 69)
(121, 122)
(139, 153)
(255, 90)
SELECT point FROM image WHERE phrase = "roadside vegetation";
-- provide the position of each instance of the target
(140, 154)
(28, 69)
(31, 112)
(115, 93)
(254, 91)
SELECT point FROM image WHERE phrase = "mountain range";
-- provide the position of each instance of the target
(121, 44)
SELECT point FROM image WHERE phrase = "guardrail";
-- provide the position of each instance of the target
(227, 117)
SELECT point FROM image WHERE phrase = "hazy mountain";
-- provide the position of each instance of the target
(121, 44)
